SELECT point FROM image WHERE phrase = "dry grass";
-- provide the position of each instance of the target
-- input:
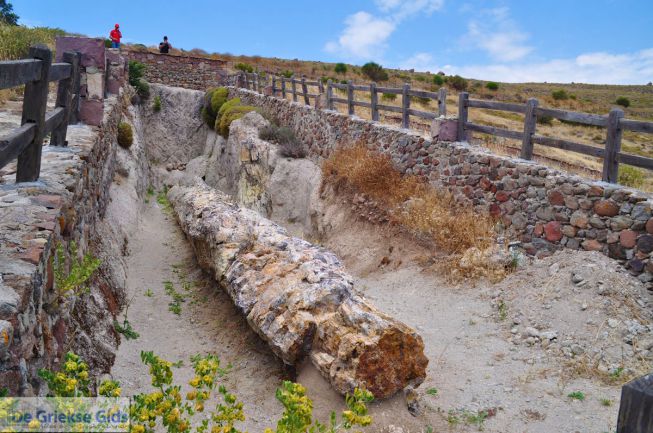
(466, 236)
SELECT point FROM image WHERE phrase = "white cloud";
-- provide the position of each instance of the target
(497, 34)
(594, 68)
(364, 36)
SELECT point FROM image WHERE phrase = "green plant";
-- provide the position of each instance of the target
(73, 282)
(420, 100)
(458, 83)
(218, 97)
(107, 43)
(233, 113)
(156, 105)
(545, 120)
(560, 95)
(149, 293)
(125, 135)
(287, 74)
(289, 145)
(631, 176)
(606, 402)
(226, 106)
(432, 391)
(125, 329)
(388, 97)
(177, 298)
(340, 68)
(244, 67)
(136, 72)
(438, 80)
(616, 374)
(623, 101)
(502, 308)
(7, 16)
(491, 85)
(576, 395)
(15, 41)
(374, 72)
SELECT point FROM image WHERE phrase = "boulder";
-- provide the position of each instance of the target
(298, 296)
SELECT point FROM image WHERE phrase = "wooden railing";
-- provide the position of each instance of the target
(25, 143)
(614, 123)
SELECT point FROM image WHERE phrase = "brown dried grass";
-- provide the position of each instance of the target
(410, 201)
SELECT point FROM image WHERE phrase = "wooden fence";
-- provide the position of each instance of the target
(310, 90)
(25, 143)
(614, 123)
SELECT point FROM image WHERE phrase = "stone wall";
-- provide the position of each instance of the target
(197, 73)
(38, 324)
(543, 208)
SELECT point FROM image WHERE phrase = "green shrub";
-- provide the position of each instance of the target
(491, 85)
(218, 97)
(340, 68)
(232, 113)
(136, 71)
(631, 176)
(125, 135)
(16, 40)
(438, 80)
(107, 43)
(374, 72)
(458, 83)
(388, 97)
(420, 100)
(623, 101)
(244, 67)
(156, 106)
(227, 105)
(545, 120)
(560, 95)
(289, 145)
(287, 74)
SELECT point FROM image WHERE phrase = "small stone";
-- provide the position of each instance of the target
(553, 269)
(592, 245)
(549, 335)
(606, 208)
(576, 278)
(552, 231)
(556, 198)
(613, 323)
(645, 244)
(649, 226)
(532, 332)
(579, 219)
(628, 238)
(583, 306)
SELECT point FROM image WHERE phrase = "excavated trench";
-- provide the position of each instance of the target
(475, 367)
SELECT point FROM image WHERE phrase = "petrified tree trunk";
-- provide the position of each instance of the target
(298, 297)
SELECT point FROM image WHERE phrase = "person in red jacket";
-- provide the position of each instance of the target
(115, 37)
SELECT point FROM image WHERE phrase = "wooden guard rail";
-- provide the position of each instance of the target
(25, 143)
(289, 86)
(614, 123)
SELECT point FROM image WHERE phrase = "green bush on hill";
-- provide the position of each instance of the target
(491, 85)
(458, 83)
(232, 113)
(374, 72)
(340, 68)
(125, 135)
(438, 80)
(623, 101)
(560, 95)
(136, 71)
(244, 67)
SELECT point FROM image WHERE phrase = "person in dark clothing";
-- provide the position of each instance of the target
(164, 47)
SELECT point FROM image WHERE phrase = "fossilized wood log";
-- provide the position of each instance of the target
(298, 297)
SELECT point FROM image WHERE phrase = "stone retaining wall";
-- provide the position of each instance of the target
(38, 324)
(197, 73)
(543, 208)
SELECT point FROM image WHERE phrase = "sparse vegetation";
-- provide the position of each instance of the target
(374, 72)
(72, 279)
(136, 72)
(289, 145)
(413, 203)
(606, 402)
(244, 67)
(432, 391)
(167, 409)
(125, 328)
(576, 395)
(388, 97)
(287, 74)
(631, 176)
(156, 105)
(623, 101)
(125, 135)
(502, 309)
(15, 40)
(438, 80)
(177, 297)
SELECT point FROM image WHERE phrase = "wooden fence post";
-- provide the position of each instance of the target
(305, 91)
(329, 95)
(320, 86)
(274, 83)
(463, 97)
(350, 98)
(612, 146)
(293, 83)
(64, 99)
(405, 106)
(74, 115)
(34, 105)
(636, 407)
(283, 87)
(442, 101)
(530, 119)
(374, 102)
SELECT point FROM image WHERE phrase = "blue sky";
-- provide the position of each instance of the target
(592, 41)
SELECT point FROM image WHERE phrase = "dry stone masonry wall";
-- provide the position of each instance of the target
(197, 73)
(38, 324)
(543, 208)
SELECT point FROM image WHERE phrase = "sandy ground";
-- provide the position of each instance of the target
(477, 363)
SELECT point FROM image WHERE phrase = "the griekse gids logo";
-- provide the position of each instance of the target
(64, 414)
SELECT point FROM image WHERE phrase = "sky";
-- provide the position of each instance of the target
(588, 41)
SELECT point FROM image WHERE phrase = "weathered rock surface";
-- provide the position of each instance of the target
(298, 297)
